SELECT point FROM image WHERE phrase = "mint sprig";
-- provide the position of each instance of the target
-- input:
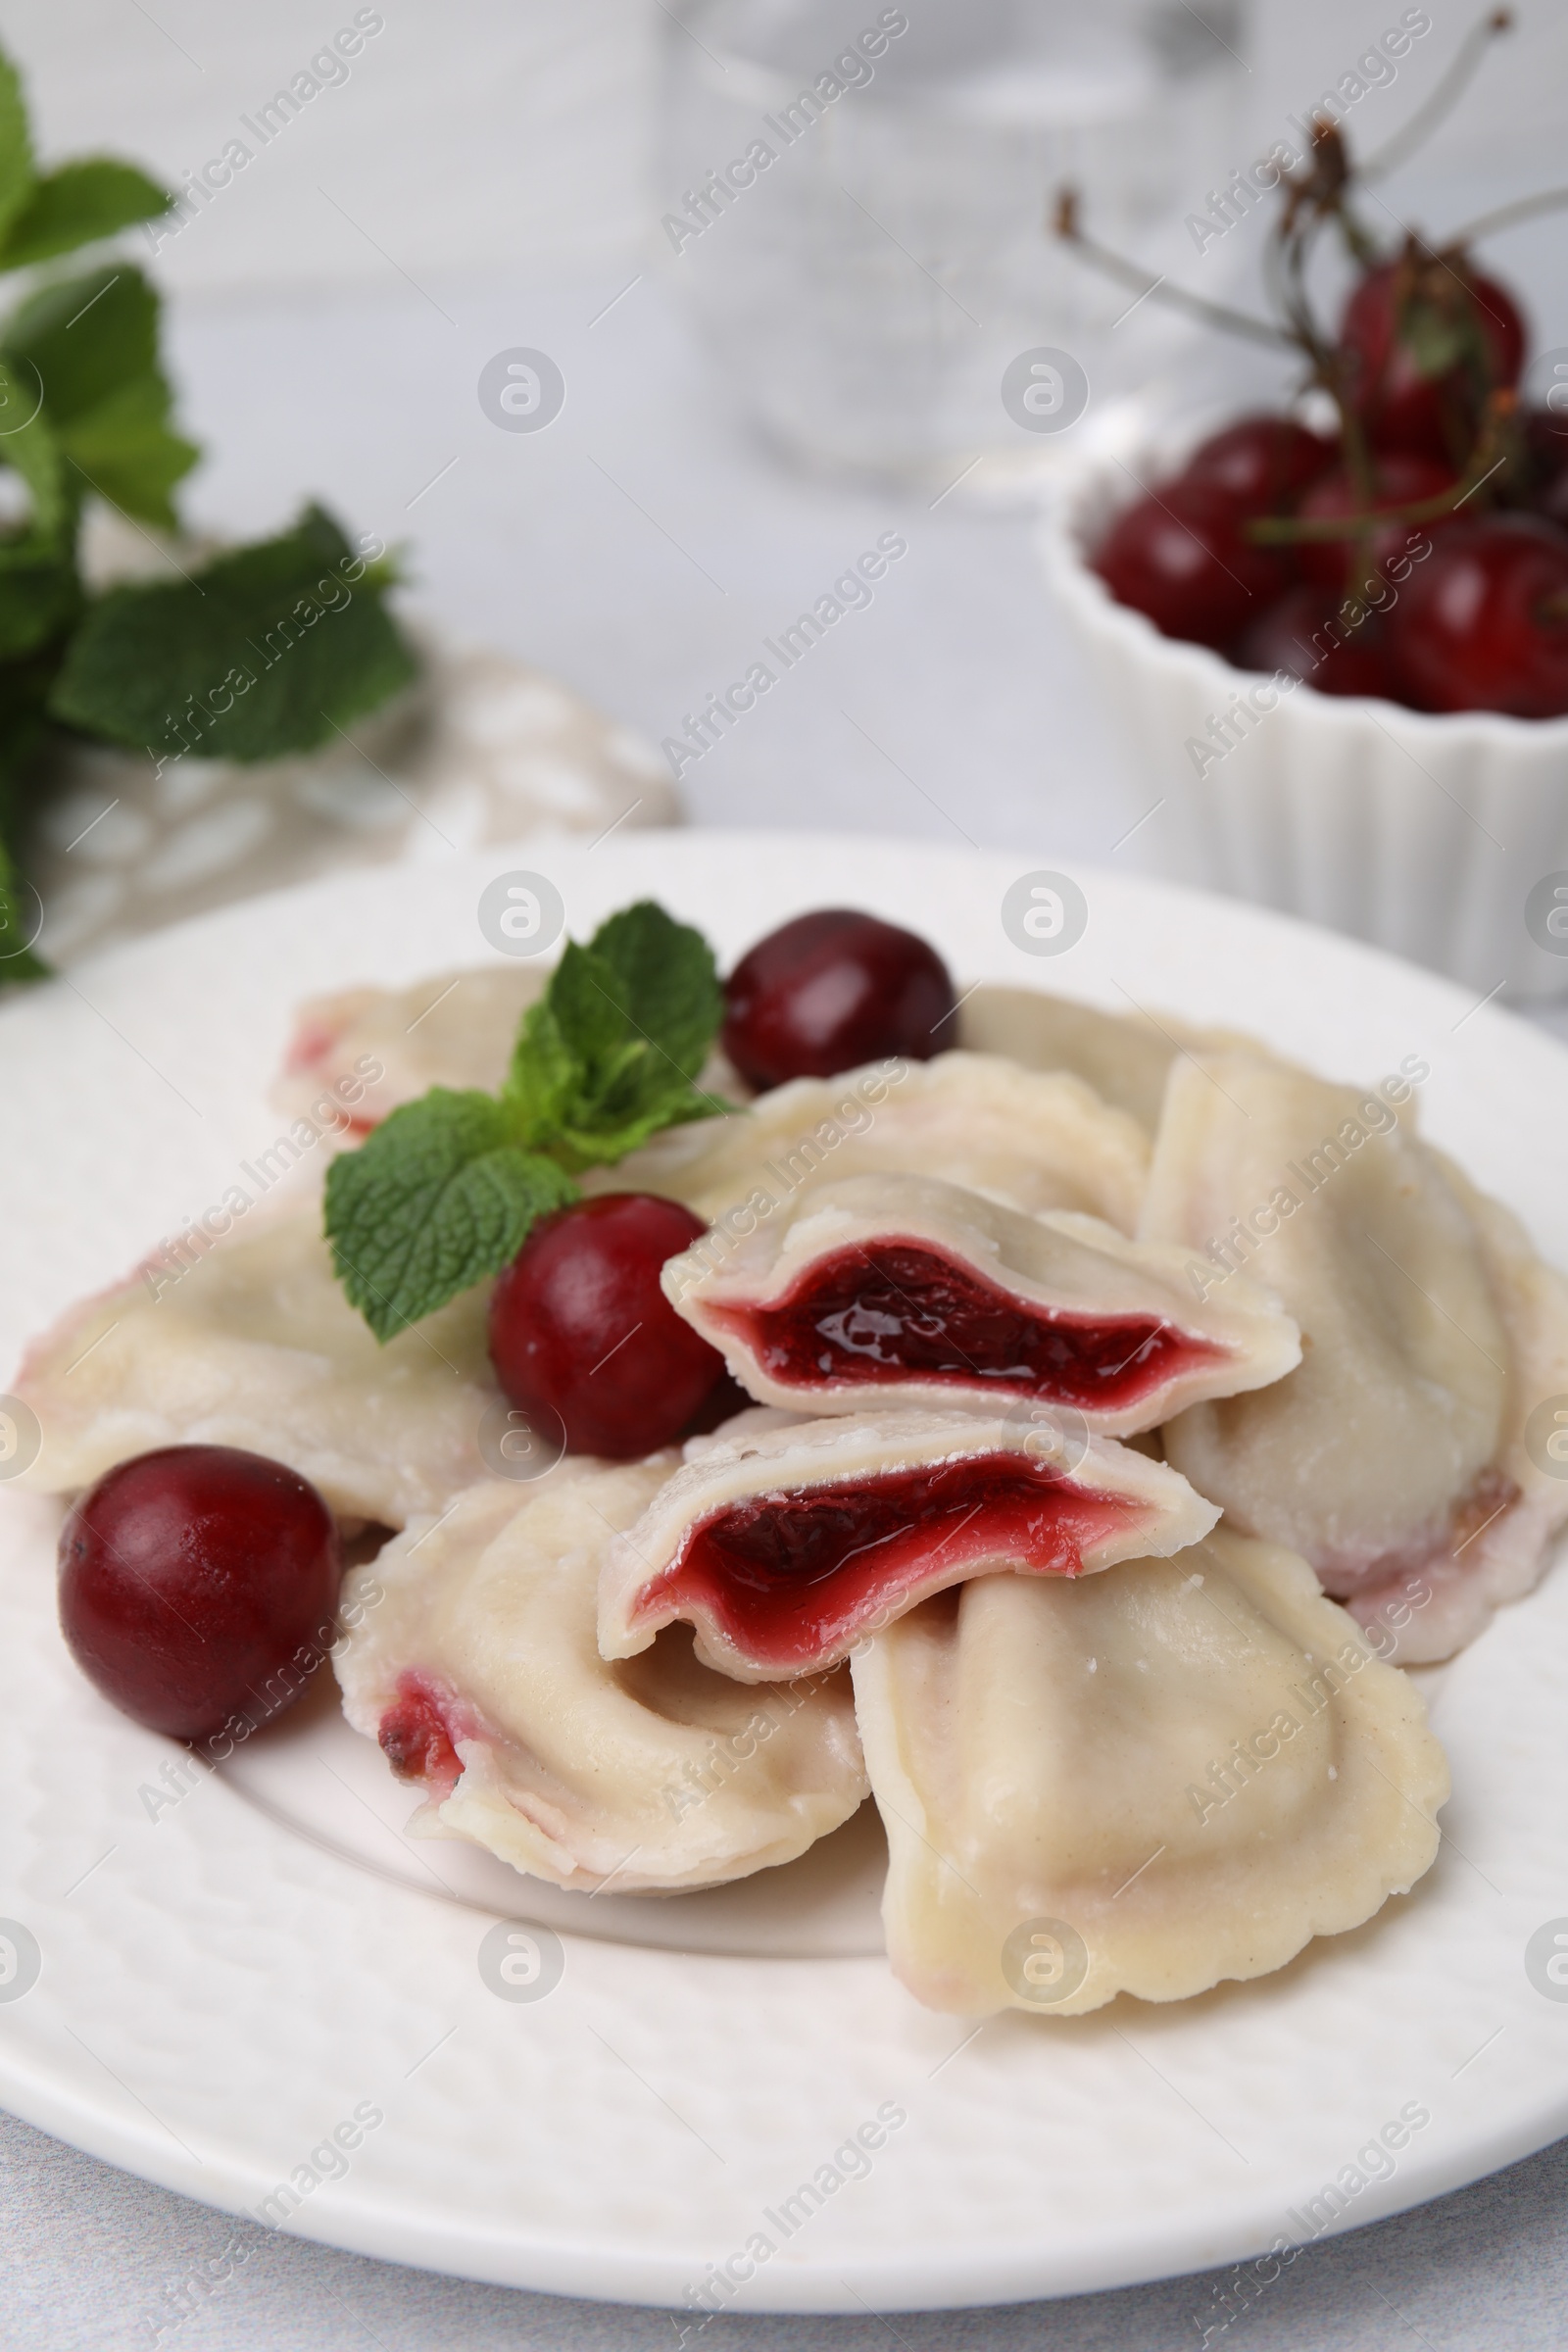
(257, 657)
(446, 1190)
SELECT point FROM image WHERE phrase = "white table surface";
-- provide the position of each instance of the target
(640, 548)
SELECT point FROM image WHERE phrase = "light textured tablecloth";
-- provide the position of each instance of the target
(95, 2261)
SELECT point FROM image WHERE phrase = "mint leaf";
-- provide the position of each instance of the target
(263, 653)
(435, 1199)
(77, 205)
(665, 979)
(87, 338)
(606, 1059)
(125, 450)
(88, 346)
(17, 180)
(39, 590)
(17, 915)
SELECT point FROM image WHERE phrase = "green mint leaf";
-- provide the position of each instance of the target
(18, 912)
(17, 179)
(40, 594)
(88, 348)
(665, 980)
(77, 205)
(607, 1059)
(435, 1199)
(266, 653)
(125, 450)
(85, 337)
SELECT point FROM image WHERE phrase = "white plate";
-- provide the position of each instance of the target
(224, 1983)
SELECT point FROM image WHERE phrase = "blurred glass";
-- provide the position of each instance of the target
(858, 195)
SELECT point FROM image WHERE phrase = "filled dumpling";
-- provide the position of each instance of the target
(1143, 1781)
(455, 1029)
(1124, 1057)
(924, 1293)
(1028, 1139)
(782, 1547)
(1393, 1455)
(474, 1662)
(255, 1344)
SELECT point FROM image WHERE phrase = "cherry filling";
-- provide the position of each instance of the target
(416, 1739)
(788, 1577)
(899, 1310)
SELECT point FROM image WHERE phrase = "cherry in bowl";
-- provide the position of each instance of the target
(1484, 624)
(1180, 557)
(582, 1336)
(197, 1584)
(833, 990)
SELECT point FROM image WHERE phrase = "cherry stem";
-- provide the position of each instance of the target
(1137, 280)
(1525, 208)
(1552, 608)
(1442, 100)
(1275, 531)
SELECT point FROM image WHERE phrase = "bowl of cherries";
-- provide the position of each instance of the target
(1337, 635)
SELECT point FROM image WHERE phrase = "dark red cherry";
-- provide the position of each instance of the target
(1402, 480)
(1308, 636)
(580, 1328)
(1429, 337)
(1262, 463)
(1179, 557)
(830, 991)
(1483, 625)
(198, 1584)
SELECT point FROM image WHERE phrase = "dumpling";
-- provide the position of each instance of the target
(455, 1029)
(1031, 1142)
(1143, 1781)
(783, 1546)
(1125, 1056)
(472, 1660)
(932, 1296)
(1123, 1059)
(1397, 1436)
(1437, 1607)
(256, 1345)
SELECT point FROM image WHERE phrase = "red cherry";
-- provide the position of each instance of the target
(1483, 625)
(1546, 439)
(579, 1327)
(1429, 337)
(1179, 557)
(1401, 480)
(1304, 636)
(197, 1584)
(831, 991)
(1262, 463)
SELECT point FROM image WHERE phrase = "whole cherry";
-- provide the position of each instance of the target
(1403, 480)
(582, 1335)
(1262, 464)
(1310, 636)
(1427, 337)
(198, 1584)
(830, 991)
(1179, 557)
(1482, 626)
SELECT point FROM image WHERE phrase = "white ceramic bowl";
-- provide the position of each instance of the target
(1423, 835)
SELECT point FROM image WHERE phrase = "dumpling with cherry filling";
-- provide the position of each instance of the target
(1394, 1457)
(474, 1661)
(454, 1029)
(784, 1547)
(902, 1289)
(256, 1345)
(1143, 1781)
(1027, 1139)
